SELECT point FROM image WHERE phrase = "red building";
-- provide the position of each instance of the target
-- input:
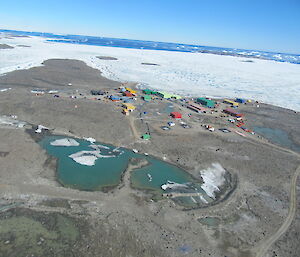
(233, 113)
(176, 115)
(128, 94)
(196, 107)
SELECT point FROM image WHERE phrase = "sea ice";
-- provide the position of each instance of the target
(188, 74)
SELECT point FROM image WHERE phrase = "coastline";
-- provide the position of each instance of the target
(262, 170)
(248, 80)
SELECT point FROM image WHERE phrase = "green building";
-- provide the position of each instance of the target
(146, 136)
(176, 96)
(206, 102)
(149, 92)
(168, 95)
(164, 94)
(147, 98)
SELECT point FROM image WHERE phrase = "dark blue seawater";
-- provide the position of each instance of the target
(152, 45)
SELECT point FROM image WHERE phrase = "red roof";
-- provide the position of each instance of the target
(233, 113)
(127, 93)
(198, 107)
(176, 115)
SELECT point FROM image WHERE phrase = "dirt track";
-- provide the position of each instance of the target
(262, 249)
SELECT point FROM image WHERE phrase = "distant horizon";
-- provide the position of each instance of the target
(269, 25)
(145, 40)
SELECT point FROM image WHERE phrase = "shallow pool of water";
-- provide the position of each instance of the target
(158, 173)
(107, 172)
(209, 221)
(277, 136)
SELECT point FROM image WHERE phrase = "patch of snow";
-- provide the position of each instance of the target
(34, 91)
(5, 89)
(11, 121)
(65, 142)
(90, 139)
(213, 178)
(52, 91)
(39, 128)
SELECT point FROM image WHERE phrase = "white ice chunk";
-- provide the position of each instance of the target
(89, 157)
(65, 142)
(88, 160)
(173, 185)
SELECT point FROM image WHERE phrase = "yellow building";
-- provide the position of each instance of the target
(227, 101)
(129, 107)
(130, 90)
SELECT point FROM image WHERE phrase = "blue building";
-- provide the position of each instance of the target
(114, 98)
(240, 100)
